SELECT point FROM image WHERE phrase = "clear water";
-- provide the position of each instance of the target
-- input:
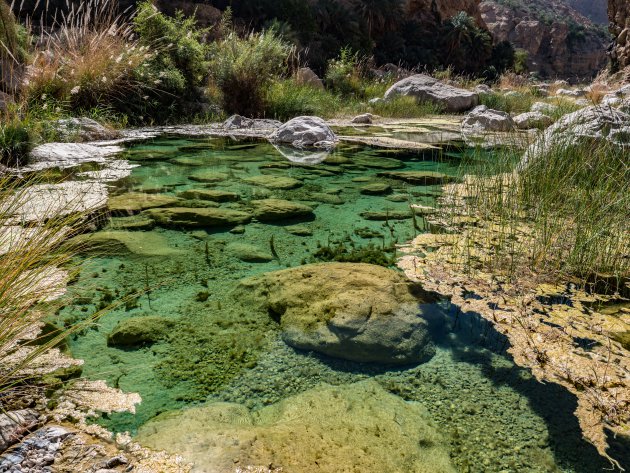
(495, 415)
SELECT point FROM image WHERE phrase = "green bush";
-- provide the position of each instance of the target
(343, 75)
(15, 144)
(243, 67)
(181, 57)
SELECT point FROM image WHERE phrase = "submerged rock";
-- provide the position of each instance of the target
(483, 119)
(208, 176)
(249, 253)
(422, 178)
(329, 429)
(605, 125)
(427, 89)
(198, 217)
(121, 242)
(139, 331)
(274, 210)
(274, 182)
(305, 430)
(358, 312)
(213, 195)
(376, 188)
(135, 202)
(305, 132)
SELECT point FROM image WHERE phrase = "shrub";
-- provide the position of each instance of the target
(344, 74)
(13, 48)
(15, 143)
(243, 67)
(181, 57)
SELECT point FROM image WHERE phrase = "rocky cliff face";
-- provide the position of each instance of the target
(442, 10)
(619, 15)
(594, 10)
(560, 41)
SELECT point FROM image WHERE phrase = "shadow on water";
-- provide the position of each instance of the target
(474, 340)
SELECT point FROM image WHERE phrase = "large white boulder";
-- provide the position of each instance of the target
(601, 124)
(427, 89)
(483, 119)
(305, 132)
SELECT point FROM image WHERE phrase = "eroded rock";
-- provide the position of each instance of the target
(305, 132)
(483, 119)
(357, 312)
(529, 120)
(427, 89)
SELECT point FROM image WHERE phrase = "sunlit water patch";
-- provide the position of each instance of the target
(186, 340)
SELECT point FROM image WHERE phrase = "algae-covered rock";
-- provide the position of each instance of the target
(198, 217)
(376, 188)
(274, 210)
(120, 242)
(359, 312)
(329, 429)
(378, 163)
(135, 202)
(386, 215)
(299, 230)
(214, 195)
(422, 178)
(249, 253)
(139, 331)
(135, 222)
(208, 176)
(274, 182)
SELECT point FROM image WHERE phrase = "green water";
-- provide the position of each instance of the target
(496, 417)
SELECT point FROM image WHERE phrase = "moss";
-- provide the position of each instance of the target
(623, 338)
(370, 254)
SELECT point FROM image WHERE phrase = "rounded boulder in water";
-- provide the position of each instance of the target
(358, 312)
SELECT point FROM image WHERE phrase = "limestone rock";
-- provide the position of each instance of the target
(421, 178)
(358, 312)
(66, 155)
(306, 76)
(358, 427)
(275, 210)
(543, 107)
(139, 331)
(376, 188)
(428, 89)
(121, 242)
(209, 177)
(197, 217)
(602, 124)
(213, 195)
(237, 122)
(274, 182)
(529, 120)
(305, 132)
(249, 253)
(83, 129)
(16, 424)
(574, 93)
(483, 119)
(135, 202)
(364, 119)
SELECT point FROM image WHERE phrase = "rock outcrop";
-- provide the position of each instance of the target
(483, 119)
(619, 15)
(591, 124)
(427, 89)
(358, 312)
(560, 42)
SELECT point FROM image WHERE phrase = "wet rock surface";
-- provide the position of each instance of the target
(83, 129)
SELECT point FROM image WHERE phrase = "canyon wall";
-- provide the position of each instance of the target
(619, 15)
(560, 42)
